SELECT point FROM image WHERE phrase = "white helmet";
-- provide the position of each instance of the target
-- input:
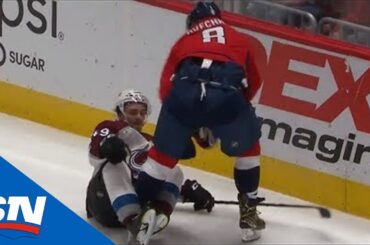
(131, 96)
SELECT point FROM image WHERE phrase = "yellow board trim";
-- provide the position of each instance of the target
(276, 175)
(50, 110)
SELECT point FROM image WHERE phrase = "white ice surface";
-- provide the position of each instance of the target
(57, 161)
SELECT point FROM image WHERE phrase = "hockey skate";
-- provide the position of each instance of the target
(250, 224)
(142, 226)
(161, 222)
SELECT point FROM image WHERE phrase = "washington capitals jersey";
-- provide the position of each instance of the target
(212, 39)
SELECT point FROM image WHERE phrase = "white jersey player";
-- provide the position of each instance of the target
(118, 148)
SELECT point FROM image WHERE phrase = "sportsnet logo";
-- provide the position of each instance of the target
(17, 214)
(23, 214)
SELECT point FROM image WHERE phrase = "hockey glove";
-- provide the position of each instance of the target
(205, 138)
(113, 149)
(192, 191)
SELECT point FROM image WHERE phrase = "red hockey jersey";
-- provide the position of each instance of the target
(211, 38)
(138, 143)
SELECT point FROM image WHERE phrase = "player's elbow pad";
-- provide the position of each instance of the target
(113, 149)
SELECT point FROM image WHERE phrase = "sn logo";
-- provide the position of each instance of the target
(9, 217)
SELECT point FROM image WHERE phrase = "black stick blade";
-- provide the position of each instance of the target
(325, 213)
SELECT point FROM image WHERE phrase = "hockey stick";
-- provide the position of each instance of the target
(324, 212)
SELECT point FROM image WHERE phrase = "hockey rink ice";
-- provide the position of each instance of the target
(58, 162)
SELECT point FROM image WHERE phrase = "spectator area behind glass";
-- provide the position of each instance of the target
(347, 20)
